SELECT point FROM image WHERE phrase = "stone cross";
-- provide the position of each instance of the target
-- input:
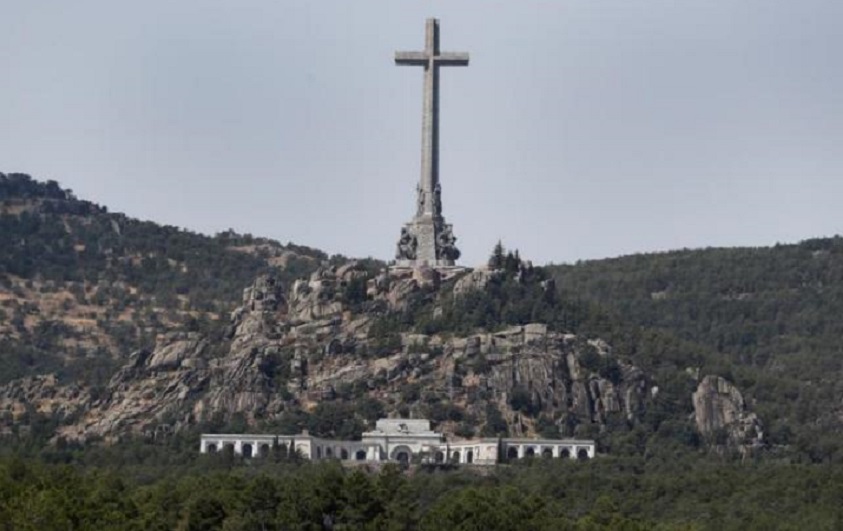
(431, 59)
(427, 240)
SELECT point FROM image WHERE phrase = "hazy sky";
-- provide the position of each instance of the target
(582, 128)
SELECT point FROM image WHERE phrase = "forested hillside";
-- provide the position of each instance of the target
(771, 317)
(81, 288)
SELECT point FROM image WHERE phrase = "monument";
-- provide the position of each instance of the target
(427, 240)
(401, 441)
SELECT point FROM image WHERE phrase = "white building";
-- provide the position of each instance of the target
(401, 440)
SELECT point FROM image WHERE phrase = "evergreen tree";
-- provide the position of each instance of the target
(496, 261)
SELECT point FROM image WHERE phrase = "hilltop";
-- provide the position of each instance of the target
(116, 327)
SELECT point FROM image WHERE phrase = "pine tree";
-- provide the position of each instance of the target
(496, 261)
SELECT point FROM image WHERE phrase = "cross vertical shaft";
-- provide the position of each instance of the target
(431, 59)
(430, 119)
(427, 239)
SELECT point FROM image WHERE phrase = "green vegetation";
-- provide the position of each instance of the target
(126, 279)
(144, 486)
(517, 295)
(81, 288)
(767, 319)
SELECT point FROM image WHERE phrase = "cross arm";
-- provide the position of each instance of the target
(452, 59)
(411, 58)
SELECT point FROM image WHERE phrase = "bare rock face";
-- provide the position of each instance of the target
(173, 350)
(178, 383)
(41, 394)
(312, 345)
(321, 296)
(314, 298)
(526, 372)
(721, 414)
(264, 298)
(396, 288)
(240, 382)
(153, 389)
(475, 280)
(264, 295)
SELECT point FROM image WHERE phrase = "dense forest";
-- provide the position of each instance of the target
(142, 486)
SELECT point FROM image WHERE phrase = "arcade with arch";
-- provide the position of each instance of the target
(403, 441)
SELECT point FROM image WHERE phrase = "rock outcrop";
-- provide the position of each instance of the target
(153, 390)
(722, 417)
(286, 351)
(42, 395)
(475, 280)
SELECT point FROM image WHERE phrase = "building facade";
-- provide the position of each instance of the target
(401, 441)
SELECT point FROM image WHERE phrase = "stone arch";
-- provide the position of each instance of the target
(402, 454)
(360, 455)
(439, 456)
(264, 450)
(530, 452)
(246, 450)
(565, 453)
(283, 450)
(343, 454)
(469, 456)
(582, 453)
(547, 452)
(512, 452)
(228, 448)
(211, 448)
(329, 453)
(455, 456)
(318, 452)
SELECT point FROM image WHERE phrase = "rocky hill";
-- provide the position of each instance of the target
(306, 349)
(331, 354)
(112, 327)
(81, 288)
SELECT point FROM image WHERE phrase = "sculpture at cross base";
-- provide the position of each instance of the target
(446, 245)
(406, 245)
(428, 240)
